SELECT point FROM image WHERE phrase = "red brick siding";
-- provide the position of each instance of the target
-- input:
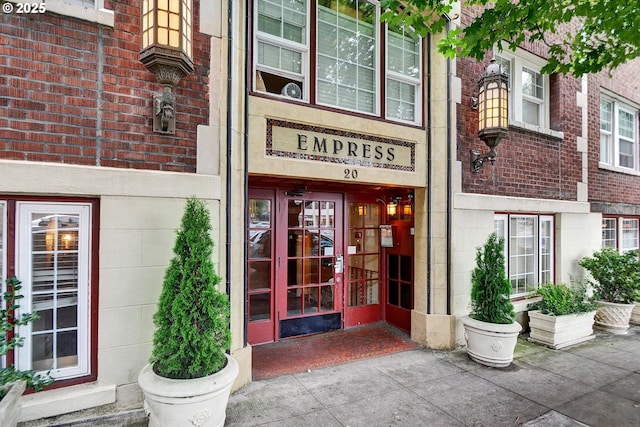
(528, 164)
(57, 106)
(604, 185)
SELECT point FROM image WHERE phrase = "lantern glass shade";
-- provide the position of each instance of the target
(392, 209)
(167, 24)
(493, 110)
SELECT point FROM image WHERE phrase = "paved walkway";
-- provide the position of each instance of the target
(596, 384)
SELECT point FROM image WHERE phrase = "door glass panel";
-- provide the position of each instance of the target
(260, 275)
(294, 213)
(310, 256)
(363, 263)
(260, 259)
(326, 269)
(405, 296)
(311, 271)
(311, 300)
(295, 243)
(405, 268)
(294, 302)
(259, 307)
(326, 298)
(393, 292)
(327, 214)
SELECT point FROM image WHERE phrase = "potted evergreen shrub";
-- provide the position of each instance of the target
(189, 378)
(491, 331)
(13, 381)
(563, 317)
(616, 285)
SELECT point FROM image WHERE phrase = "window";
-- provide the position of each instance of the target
(528, 88)
(343, 65)
(618, 134)
(609, 233)
(622, 233)
(529, 251)
(52, 259)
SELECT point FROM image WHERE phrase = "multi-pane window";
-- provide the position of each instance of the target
(620, 232)
(609, 232)
(403, 74)
(618, 134)
(529, 251)
(528, 88)
(629, 234)
(342, 66)
(52, 260)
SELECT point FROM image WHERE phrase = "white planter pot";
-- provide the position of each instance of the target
(10, 404)
(635, 314)
(200, 402)
(613, 317)
(560, 331)
(491, 344)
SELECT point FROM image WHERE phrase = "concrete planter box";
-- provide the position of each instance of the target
(491, 344)
(635, 314)
(10, 404)
(560, 331)
(613, 317)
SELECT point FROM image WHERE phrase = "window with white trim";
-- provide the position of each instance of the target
(52, 259)
(346, 51)
(529, 250)
(609, 233)
(528, 88)
(621, 232)
(618, 134)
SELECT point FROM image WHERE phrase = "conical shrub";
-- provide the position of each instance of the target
(192, 322)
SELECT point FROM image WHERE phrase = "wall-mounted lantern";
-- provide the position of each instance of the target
(493, 113)
(167, 27)
(392, 207)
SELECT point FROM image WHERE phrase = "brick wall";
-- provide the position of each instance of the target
(75, 92)
(529, 164)
(605, 185)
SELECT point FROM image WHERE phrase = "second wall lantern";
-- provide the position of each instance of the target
(493, 113)
(167, 37)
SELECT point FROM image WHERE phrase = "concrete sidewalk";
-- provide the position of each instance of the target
(596, 384)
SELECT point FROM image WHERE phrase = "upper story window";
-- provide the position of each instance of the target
(343, 57)
(618, 134)
(88, 10)
(528, 88)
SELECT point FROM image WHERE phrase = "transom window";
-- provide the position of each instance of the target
(342, 67)
(528, 88)
(529, 254)
(618, 134)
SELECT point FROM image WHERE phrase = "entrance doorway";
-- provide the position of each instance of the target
(316, 263)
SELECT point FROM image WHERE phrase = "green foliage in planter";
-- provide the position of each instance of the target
(192, 321)
(616, 276)
(491, 290)
(558, 300)
(10, 339)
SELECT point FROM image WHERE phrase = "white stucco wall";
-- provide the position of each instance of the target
(139, 213)
(577, 233)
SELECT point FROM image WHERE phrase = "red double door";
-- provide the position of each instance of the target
(316, 264)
